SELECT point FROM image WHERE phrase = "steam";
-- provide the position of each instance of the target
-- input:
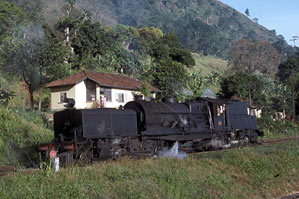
(218, 144)
(173, 152)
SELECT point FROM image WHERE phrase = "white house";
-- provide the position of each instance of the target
(85, 88)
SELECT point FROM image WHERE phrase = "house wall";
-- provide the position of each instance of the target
(55, 96)
(78, 92)
(80, 97)
(128, 96)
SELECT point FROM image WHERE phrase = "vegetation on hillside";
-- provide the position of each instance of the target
(203, 26)
(20, 134)
(39, 52)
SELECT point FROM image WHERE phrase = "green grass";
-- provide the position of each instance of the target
(20, 133)
(244, 173)
(208, 64)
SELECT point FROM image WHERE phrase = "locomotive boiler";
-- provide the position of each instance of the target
(146, 127)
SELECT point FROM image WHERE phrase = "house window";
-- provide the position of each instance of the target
(62, 97)
(90, 91)
(107, 93)
(120, 97)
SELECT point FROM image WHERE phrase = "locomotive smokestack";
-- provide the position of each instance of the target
(69, 103)
(138, 97)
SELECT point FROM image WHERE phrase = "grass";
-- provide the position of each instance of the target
(244, 173)
(20, 133)
(208, 64)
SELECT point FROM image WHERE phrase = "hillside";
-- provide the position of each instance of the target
(206, 26)
(208, 64)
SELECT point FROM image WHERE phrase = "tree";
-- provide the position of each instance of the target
(254, 57)
(255, 20)
(247, 12)
(170, 77)
(88, 44)
(285, 68)
(242, 85)
(34, 59)
(32, 9)
(169, 46)
(146, 40)
(21, 60)
(283, 47)
(11, 17)
(294, 39)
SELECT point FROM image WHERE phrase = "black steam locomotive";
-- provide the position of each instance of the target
(147, 127)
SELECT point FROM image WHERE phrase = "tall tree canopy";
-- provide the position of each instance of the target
(34, 59)
(242, 85)
(254, 57)
(286, 68)
(11, 17)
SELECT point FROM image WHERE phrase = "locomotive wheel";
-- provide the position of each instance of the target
(85, 157)
(245, 141)
(148, 146)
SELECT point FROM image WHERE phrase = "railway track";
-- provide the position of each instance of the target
(281, 140)
(5, 170)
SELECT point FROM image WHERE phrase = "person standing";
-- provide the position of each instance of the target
(103, 100)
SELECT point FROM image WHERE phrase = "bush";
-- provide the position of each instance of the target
(275, 128)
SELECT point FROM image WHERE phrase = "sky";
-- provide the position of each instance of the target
(281, 15)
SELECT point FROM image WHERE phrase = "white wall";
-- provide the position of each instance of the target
(78, 92)
(128, 96)
(80, 98)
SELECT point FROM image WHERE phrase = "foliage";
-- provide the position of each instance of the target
(170, 77)
(51, 59)
(34, 59)
(285, 68)
(20, 132)
(277, 128)
(241, 84)
(31, 9)
(283, 47)
(247, 12)
(5, 96)
(203, 26)
(254, 57)
(11, 17)
(170, 46)
(198, 83)
(21, 59)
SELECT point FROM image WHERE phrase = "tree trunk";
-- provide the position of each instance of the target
(31, 97)
(40, 100)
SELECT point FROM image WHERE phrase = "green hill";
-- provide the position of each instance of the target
(206, 26)
(208, 64)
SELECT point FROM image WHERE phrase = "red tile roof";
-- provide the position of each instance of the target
(103, 79)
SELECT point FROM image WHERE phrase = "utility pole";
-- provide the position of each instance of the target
(249, 96)
(293, 102)
(294, 38)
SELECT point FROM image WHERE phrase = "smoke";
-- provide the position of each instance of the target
(218, 144)
(173, 152)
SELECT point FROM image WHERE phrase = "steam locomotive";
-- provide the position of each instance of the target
(146, 127)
